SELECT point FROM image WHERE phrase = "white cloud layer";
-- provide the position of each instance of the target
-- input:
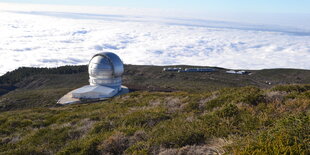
(48, 39)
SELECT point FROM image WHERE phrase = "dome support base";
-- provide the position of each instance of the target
(69, 99)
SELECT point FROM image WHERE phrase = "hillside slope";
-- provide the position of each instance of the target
(237, 120)
(166, 113)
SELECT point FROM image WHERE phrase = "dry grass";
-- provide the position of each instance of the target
(115, 144)
(190, 150)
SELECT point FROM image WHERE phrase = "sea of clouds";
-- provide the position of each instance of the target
(38, 38)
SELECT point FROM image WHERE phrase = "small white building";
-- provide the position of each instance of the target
(172, 69)
(236, 72)
(231, 72)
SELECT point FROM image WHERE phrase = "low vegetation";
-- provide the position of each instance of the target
(245, 120)
(151, 78)
(19, 74)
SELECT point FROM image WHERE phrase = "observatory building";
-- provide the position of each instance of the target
(105, 80)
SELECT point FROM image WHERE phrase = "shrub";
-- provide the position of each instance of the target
(228, 110)
(289, 136)
(139, 148)
(292, 88)
(103, 126)
(115, 144)
(248, 95)
(178, 133)
(148, 117)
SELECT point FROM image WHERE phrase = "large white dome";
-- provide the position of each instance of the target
(106, 69)
(105, 78)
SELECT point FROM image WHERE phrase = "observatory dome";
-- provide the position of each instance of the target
(105, 78)
(106, 69)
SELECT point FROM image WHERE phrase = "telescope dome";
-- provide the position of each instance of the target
(106, 69)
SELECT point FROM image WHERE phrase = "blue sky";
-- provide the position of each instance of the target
(223, 6)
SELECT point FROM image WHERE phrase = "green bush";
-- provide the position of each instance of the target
(178, 133)
(289, 136)
(248, 95)
(148, 117)
(140, 148)
(229, 110)
(292, 88)
(103, 126)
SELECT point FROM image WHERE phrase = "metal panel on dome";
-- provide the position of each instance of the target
(117, 64)
(106, 69)
(100, 62)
